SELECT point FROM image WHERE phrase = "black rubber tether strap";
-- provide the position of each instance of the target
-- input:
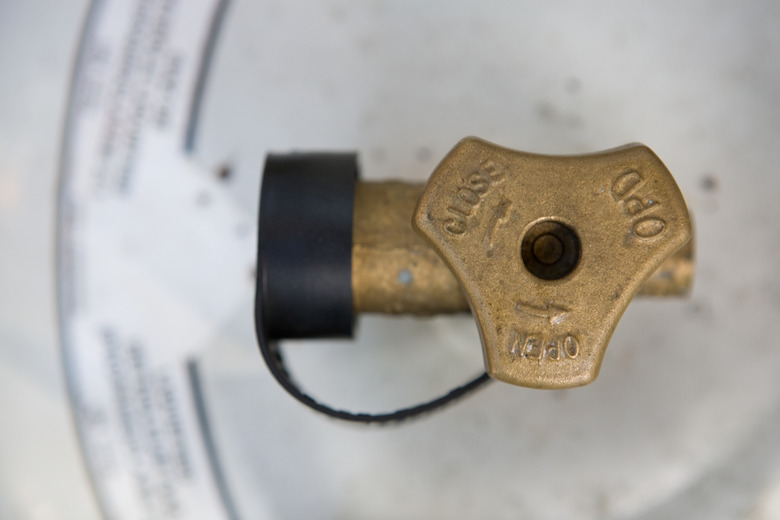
(304, 267)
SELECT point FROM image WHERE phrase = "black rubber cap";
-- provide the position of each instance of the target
(304, 268)
(304, 260)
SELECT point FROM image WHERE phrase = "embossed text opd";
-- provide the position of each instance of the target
(630, 191)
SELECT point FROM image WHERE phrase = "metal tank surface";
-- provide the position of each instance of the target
(132, 139)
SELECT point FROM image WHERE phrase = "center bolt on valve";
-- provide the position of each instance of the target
(545, 251)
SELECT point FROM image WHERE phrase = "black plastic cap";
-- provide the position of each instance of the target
(304, 259)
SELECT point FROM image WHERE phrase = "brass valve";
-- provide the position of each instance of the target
(546, 251)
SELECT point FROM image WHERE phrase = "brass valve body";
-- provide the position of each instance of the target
(395, 271)
(546, 251)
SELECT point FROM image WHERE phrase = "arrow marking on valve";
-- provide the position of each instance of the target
(551, 312)
(500, 211)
